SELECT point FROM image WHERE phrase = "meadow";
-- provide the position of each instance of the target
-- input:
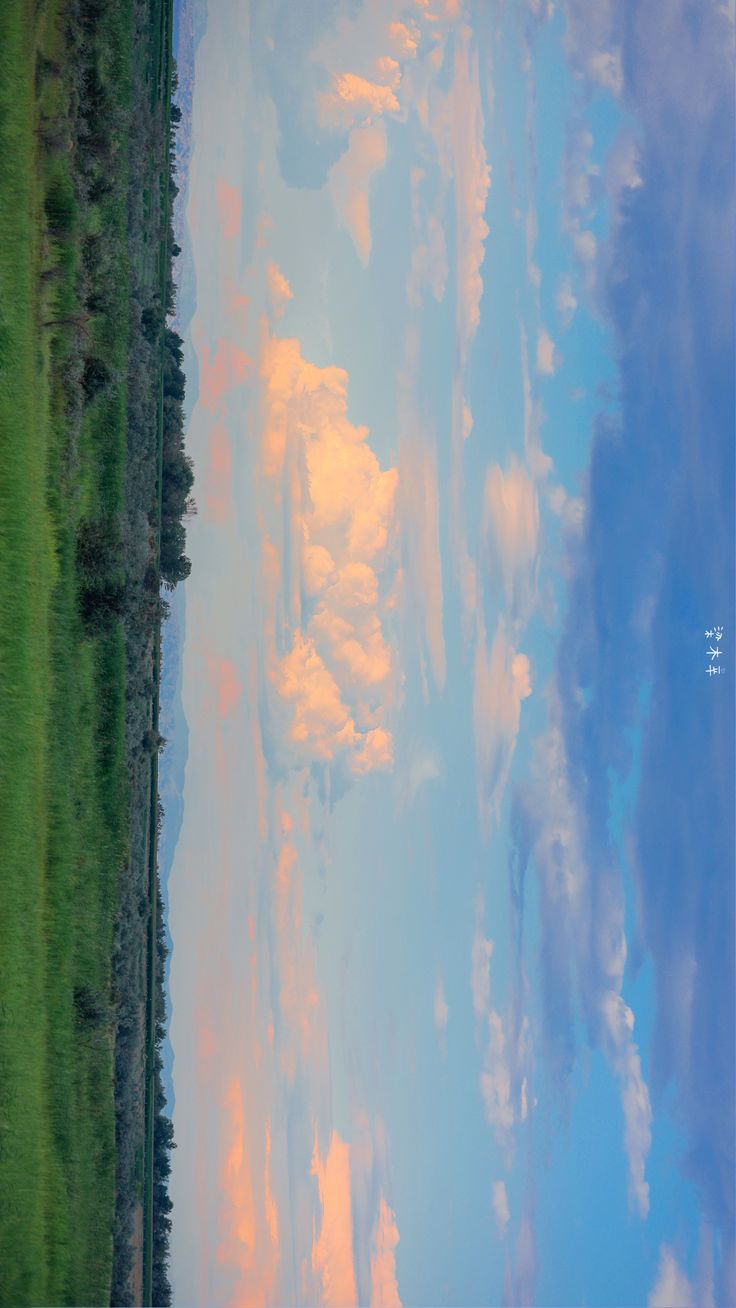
(85, 283)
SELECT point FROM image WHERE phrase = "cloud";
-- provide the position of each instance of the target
(501, 1208)
(338, 673)
(332, 1251)
(547, 359)
(279, 290)
(428, 265)
(384, 1287)
(229, 209)
(403, 39)
(230, 367)
(349, 182)
(501, 681)
(420, 529)
(672, 1288)
(218, 476)
(566, 301)
(582, 921)
(353, 100)
(480, 966)
(472, 182)
(440, 1013)
(510, 525)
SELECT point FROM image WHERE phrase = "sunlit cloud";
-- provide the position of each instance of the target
(279, 290)
(349, 182)
(384, 1287)
(332, 1251)
(419, 515)
(352, 100)
(337, 675)
(229, 209)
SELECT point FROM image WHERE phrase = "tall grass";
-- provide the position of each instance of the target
(62, 747)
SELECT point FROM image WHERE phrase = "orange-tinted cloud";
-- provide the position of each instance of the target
(472, 182)
(229, 209)
(230, 688)
(229, 368)
(332, 1252)
(403, 39)
(218, 476)
(338, 673)
(349, 181)
(238, 1221)
(279, 290)
(384, 1289)
(352, 100)
(419, 506)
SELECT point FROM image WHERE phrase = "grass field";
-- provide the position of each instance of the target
(62, 690)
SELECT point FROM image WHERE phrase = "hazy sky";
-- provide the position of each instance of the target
(452, 907)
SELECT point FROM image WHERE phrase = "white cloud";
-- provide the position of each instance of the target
(501, 1208)
(501, 682)
(547, 360)
(440, 1014)
(672, 1288)
(349, 182)
(480, 965)
(566, 301)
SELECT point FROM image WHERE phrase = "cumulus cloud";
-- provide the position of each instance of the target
(349, 181)
(279, 290)
(336, 676)
(501, 1210)
(547, 360)
(352, 100)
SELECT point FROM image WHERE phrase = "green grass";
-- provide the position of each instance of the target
(62, 749)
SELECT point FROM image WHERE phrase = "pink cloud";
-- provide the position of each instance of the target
(332, 1250)
(349, 181)
(229, 368)
(419, 513)
(339, 671)
(384, 1287)
(229, 209)
(352, 100)
(218, 472)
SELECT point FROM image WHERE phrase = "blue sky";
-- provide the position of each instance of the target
(451, 900)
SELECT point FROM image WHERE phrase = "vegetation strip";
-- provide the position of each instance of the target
(94, 490)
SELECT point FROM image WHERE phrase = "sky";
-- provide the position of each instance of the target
(450, 705)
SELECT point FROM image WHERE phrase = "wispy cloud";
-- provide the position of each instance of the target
(440, 1014)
